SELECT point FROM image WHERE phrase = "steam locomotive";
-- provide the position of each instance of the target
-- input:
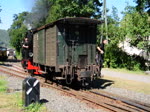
(64, 50)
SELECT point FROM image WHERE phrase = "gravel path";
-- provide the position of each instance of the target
(124, 92)
(140, 78)
(129, 94)
(55, 101)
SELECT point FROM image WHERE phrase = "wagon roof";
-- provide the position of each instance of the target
(79, 20)
(73, 20)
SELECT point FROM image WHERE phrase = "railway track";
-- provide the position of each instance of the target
(105, 101)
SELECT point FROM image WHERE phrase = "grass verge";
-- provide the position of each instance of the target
(127, 71)
(12, 102)
(3, 85)
(136, 86)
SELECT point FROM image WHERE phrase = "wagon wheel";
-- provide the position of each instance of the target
(86, 83)
(64, 72)
(69, 75)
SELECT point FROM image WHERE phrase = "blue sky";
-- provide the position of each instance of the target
(11, 7)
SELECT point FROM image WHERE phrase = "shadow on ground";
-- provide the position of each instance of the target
(8, 62)
(42, 101)
(101, 83)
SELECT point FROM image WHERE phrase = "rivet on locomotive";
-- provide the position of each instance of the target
(64, 50)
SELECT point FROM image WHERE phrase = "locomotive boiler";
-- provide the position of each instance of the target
(65, 50)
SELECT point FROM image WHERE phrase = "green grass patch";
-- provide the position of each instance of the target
(123, 70)
(136, 86)
(19, 56)
(3, 84)
(35, 108)
(1, 62)
(9, 102)
(12, 102)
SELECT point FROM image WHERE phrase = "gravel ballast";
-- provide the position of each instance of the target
(57, 102)
(54, 100)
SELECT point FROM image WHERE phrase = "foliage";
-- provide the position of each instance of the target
(35, 108)
(13, 102)
(137, 27)
(4, 38)
(46, 11)
(143, 5)
(117, 32)
(17, 30)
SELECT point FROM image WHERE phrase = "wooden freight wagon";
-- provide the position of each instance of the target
(66, 43)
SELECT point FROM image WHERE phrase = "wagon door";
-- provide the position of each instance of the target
(61, 45)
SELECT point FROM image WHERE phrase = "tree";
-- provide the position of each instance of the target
(113, 55)
(17, 30)
(46, 11)
(74, 8)
(132, 25)
(137, 27)
(143, 5)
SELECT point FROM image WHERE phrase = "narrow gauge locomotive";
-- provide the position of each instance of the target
(65, 50)
(3, 53)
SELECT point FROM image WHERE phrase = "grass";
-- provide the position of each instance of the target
(35, 108)
(1, 62)
(127, 71)
(12, 102)
(136, 86)
(3, 84)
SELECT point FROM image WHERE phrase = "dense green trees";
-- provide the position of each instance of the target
(137, 27)
(17, 30)
(134, 26)
(142, 6)
(74, 8)
(46, 11)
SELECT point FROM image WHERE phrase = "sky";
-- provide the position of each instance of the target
(11, 7)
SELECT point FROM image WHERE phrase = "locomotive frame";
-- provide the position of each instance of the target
(65, 50)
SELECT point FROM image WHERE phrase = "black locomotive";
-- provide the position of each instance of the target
(64, 50)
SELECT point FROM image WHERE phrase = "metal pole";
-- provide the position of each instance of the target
(102, 26)
(105, 17)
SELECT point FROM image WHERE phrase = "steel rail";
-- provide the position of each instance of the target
(124, 101)
(79, 95)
